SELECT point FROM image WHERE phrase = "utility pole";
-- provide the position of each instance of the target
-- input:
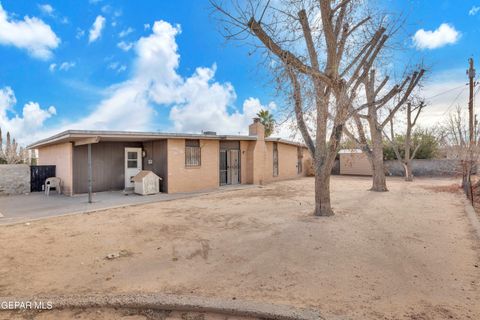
(468, 165)
(471, 76)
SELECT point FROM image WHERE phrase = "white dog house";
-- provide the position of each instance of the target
(146, 182)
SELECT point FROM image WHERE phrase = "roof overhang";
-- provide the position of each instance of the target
(293, 143)
(79, 137)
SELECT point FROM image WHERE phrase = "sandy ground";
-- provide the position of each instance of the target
(406, 254)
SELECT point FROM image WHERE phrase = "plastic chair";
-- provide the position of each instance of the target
(53, 182)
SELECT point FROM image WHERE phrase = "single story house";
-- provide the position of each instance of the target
(354, 162)
(185, 162)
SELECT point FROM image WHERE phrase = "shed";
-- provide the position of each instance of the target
(146, 182)
(354, 162)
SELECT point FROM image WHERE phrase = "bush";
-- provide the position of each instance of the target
(429, 145)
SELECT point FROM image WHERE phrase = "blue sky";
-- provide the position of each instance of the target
(58, 72)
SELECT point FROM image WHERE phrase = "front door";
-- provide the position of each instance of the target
(133, 165)
(229, 167)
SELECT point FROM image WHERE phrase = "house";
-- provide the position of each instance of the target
(354, 162)
(185, 162)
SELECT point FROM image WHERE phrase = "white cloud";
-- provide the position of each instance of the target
(206, 106)
(46, 9)
(474, 11)
(7, 100)
(106, 9)
(26, 126)
(65, 66)
(443, 93)
(146, 26)
(197, 102)
(97, 28)
(444, 35)
(30, 34)
(125, 46)
(80, 33)
(125, 32)
(116, 66)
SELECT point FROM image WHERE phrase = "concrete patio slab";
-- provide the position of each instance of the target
(34, 206)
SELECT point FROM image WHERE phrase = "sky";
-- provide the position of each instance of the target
(163, 66)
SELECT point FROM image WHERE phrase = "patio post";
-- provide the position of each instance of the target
(90, 173)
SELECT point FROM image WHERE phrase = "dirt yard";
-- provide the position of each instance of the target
(406, 254)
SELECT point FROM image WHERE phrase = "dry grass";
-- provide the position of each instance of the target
(452, 188)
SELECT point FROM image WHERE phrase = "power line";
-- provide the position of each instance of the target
(444, 92)
(476, 92)
(453, 102)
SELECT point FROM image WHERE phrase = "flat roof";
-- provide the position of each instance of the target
(105, 135)
(281, 140)
(350, 151)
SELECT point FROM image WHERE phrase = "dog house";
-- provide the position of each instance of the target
(146, 182)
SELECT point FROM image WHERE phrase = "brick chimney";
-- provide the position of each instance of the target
(257, 129)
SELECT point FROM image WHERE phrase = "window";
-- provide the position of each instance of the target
(132, 159)
(193, 154)
(275, 159)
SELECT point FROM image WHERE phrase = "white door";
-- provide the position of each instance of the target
(133, 165)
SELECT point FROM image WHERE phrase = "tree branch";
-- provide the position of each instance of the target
(297, 97)
(286, 56)
(416, 76)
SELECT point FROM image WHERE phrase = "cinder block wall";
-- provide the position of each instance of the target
(14, 179)
(426, 167)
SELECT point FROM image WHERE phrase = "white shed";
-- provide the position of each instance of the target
(146, 182)
(354, 162)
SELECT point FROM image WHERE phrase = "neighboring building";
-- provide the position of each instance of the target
(354, 162)
(185, 162)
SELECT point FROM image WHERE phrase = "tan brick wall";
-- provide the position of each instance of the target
(187, 179)
(244, 161)
(287, 162)
(61, 156)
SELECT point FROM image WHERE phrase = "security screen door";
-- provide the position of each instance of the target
(229, 167)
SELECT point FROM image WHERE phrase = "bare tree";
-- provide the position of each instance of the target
(11, 153)
(409, 147)
(375, 104)
(331, 44)
(455, 140)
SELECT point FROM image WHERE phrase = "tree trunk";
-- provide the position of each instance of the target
(379, 182)
(408, 171)
(322, 193)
